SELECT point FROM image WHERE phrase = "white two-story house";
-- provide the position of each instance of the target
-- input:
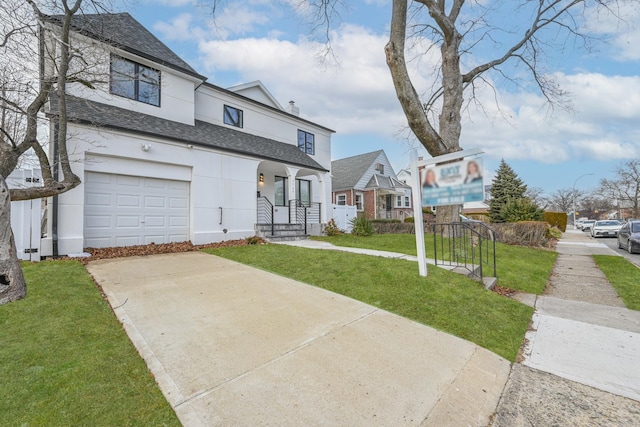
(166, 156)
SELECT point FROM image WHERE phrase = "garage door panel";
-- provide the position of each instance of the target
(98, 221)
(178, 221)
(155, 221)
(151, 202)
(128, 181)
(98, 199)
(126, 241)
(128, 201)
(178, 238)
(178, 203)
(127, 221)
(124, 210)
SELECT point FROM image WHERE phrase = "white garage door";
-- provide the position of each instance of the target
(122, 210)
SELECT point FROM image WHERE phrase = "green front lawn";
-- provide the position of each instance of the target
(623, 276)
(444, 300)
(66, 361)
(519, 268)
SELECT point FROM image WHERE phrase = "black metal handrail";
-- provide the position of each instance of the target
(265, 212)
(470, 245)
(304, 213)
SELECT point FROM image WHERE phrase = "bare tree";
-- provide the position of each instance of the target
(29, 30)
(457, 27)
(563, 199)
(537, 197)
(625, 186)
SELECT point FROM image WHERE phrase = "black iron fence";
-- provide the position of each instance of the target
(470, 245)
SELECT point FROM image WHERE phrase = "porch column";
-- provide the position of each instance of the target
(291, 179)
(323, 198)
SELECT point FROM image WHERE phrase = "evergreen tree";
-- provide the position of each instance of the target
(522, 209)
(505, 186)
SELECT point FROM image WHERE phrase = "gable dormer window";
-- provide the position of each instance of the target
(380, 168)
(134, 81)
(232, 116)
(306, 142)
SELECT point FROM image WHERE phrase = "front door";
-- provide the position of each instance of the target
(388, 200)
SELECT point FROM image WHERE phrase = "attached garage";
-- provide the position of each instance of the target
(126, 210)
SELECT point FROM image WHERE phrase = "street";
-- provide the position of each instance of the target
(613, 244)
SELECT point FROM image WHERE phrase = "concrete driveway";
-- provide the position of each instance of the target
(232, 345)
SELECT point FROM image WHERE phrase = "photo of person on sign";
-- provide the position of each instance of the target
(430, 179)
(473, 173)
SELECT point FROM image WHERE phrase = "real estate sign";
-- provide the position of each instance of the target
(452, 183)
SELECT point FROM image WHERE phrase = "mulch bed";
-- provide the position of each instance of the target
(155, 249)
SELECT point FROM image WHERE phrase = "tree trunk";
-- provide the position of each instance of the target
(12, 284)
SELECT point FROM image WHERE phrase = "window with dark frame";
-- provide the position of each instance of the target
(134, 81)
(306, 142)
(232, 116)
(280, 197)
(304, 191)
(341, 199)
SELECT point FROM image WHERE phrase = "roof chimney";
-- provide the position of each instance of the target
(293, 109)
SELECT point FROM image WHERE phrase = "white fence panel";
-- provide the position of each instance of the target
(26, 216)
(343, 215)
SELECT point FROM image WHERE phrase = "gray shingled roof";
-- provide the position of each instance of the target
(123, 31)
(345, 173)
(385, 183)
(203, 133)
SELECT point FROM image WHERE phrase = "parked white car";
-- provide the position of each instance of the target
(586, 225)
(606, 228)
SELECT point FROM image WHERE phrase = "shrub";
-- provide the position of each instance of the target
(557, 219)
(254, 240)
(361, 226)
(521, 209)
(524, 233)
(409, 219)
(554, 232)
(331, 229)
(384, 220)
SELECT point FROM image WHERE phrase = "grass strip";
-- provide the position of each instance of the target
(519, 268)
(444, 300)
(65, 359)
(623, 276)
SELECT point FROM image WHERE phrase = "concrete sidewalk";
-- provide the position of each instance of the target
(581, 329)
(233, 345)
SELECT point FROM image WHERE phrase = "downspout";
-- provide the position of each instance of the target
(54, 213)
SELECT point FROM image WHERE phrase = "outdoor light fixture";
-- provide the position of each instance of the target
(261, 177)
(146, 147)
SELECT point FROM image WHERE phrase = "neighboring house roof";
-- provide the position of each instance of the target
(121, 30)
(345, 173)
(383, 182)
(203, 133)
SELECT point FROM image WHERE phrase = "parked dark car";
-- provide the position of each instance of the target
(629, 237)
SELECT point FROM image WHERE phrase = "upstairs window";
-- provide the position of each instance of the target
(135, 81)
(306, 142)
(232, 116)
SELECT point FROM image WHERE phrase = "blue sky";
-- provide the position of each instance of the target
(352, 93)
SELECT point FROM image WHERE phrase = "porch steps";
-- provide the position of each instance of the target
(281, 232)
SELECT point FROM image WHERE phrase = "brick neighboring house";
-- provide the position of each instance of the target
(368, 182)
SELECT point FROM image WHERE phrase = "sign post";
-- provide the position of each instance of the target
(449, 184)
(416, 193)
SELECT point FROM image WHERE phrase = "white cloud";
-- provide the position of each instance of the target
(355, 96)
(621, 25)
(180, 28)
